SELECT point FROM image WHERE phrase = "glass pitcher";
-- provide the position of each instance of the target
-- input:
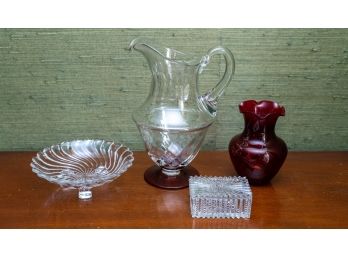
(175, 116)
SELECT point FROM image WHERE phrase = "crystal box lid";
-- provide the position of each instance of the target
(220, 197)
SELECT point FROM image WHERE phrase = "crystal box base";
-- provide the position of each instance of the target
(220, 197)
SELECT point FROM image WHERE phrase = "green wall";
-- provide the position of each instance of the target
(64, 84)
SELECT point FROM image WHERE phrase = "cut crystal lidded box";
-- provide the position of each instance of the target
(220, 197)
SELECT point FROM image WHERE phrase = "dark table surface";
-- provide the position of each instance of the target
(310, 191)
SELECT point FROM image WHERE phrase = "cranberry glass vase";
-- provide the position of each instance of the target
(257, 153)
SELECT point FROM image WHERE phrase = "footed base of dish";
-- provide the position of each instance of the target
(85, 193)
(157, 177)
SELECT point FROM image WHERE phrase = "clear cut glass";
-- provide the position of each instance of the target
(174, 118)
(82, 164)
(220, 197)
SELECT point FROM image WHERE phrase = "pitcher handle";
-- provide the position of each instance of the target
(210, 98)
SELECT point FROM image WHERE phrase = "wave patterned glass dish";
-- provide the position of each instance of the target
(220, 197)
(82, 164)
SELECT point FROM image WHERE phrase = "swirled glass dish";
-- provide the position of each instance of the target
(82, 164)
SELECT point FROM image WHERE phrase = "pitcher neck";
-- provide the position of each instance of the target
(174, 82)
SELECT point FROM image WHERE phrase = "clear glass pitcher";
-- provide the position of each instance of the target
(174, 118)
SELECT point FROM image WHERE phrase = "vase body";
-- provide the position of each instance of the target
(175, 117)
(257, 153)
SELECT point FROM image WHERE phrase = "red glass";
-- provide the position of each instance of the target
(257, 153)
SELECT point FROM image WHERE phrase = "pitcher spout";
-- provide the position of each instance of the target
(148, 49)
(141, 45)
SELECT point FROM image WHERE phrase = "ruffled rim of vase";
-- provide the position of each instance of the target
(262, 109)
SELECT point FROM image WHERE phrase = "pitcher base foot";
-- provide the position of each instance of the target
(155, 177)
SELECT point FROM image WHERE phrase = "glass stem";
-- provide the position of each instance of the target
(85, 193)
(171, 173)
